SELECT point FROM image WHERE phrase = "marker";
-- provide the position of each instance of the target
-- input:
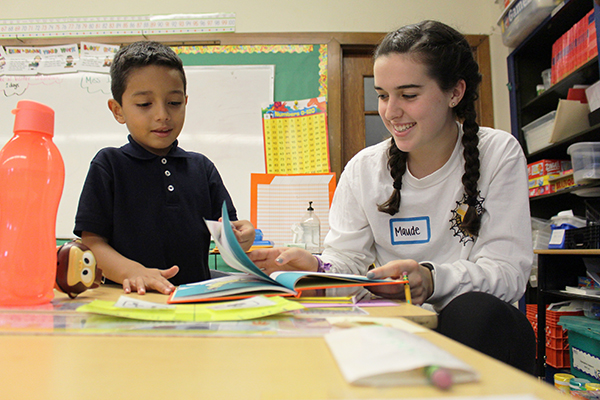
(439, 377)
(406, 287)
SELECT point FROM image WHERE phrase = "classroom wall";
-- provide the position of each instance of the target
(468, 16)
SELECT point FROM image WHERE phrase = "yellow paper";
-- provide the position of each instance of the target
(192, 312)
(295, 136)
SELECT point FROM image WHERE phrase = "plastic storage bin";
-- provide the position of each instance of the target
(522, 18)
(538, 133)
(587, 237)
(585, 157)
(557, 344)
(584, 344)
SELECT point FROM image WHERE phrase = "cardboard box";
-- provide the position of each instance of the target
(571, 119)
(550, 184)
(541, 190)
(547, 167)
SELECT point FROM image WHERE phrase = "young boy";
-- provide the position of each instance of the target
(143, 205)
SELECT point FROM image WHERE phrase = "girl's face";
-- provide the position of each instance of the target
(413, 108)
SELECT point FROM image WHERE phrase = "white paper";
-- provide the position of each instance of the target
(41, 60)
(128, 302)
(383, 356)
(96, 57)
(252, 302)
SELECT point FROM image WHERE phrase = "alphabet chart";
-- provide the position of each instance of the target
(295, 137)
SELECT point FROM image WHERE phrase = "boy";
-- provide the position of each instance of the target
(143, 205)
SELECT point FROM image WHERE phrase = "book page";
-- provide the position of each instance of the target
(230, 249)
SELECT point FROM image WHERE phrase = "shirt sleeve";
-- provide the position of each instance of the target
(348, 246)
(500, 260)
(95, 203)
(219, 193)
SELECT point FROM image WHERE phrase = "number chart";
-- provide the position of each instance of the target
(295, 137)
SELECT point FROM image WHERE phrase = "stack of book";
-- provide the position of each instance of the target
(574, 48)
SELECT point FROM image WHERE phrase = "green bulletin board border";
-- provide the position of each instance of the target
(300, 70)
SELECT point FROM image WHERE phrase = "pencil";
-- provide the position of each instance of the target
(406, 287)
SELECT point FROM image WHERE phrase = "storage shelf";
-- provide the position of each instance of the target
(538, 106)
(565, 191)
(556, 268)
(558, 150)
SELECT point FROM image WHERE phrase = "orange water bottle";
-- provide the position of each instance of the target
(32, 175)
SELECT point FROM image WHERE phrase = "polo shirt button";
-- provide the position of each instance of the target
(170, 188)
(163, 160)
(168, 173)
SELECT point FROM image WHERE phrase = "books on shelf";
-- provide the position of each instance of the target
(574, 48)
(252, 281)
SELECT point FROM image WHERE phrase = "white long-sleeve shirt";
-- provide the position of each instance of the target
(497, 262)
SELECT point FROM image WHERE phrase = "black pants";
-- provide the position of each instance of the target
(491, 326)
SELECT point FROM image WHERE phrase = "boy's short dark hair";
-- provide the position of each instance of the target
(137, 55)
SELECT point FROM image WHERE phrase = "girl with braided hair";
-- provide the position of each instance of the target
(443, 200)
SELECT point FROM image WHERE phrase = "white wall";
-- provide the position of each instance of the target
(468, 16)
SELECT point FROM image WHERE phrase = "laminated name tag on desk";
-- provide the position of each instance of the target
(557, 239)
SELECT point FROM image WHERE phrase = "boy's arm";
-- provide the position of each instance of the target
(244, 233)
(133, 275)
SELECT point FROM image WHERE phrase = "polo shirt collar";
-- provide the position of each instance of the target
(134, 149)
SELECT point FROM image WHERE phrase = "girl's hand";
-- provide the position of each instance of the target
(419, 278)
(283, 259)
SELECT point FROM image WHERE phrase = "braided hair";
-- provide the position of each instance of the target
(448, 59)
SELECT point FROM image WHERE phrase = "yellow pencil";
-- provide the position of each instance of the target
(406, 287)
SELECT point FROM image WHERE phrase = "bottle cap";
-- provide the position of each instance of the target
(578, 384)
(592, 386)
(33, 117)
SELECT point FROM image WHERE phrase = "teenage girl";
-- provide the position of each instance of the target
(443, 200)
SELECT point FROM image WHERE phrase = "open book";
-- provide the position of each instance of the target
(252, 281)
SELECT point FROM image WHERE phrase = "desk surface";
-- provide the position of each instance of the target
(112, 367)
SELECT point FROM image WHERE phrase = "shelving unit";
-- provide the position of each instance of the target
(556, 268)
(525, 65)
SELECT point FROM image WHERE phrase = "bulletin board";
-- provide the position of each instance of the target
(227, 86)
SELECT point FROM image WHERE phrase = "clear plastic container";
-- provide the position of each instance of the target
(591, 309)
(585, 157)
(522, 17)
(311, 230)
(537, 133)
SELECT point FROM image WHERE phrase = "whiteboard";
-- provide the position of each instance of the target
(223, 122)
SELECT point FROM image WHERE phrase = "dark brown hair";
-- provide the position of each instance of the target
(137, 55)
(448, 59)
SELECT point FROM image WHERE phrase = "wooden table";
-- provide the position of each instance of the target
(50, 366)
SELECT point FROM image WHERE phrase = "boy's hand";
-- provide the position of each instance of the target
(133, 275)
(244, 233)
(144, 279)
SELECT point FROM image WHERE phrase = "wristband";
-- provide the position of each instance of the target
(322, 266)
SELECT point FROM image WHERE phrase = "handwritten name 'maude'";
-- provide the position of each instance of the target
(410, 230)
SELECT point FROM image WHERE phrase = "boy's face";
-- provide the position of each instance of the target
(153, 107)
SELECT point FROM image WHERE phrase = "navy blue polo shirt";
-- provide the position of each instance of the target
(151, 209)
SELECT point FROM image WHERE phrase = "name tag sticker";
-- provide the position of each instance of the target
(410, 230)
